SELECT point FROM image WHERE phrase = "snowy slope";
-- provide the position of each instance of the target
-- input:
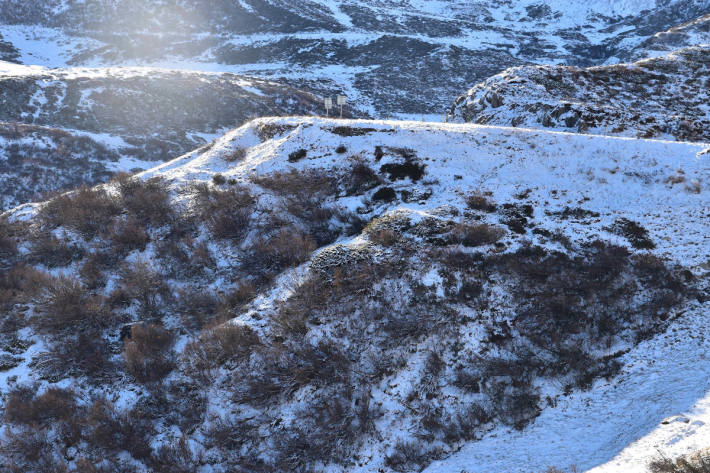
(289, 401)
(613, 175)
(160, 113)
(137, 116)
(662, 97)
(692, 33)
(375, 50)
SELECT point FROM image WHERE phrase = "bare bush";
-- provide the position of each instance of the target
(148, 201)
(23, 406)
(215, 346)
(112, 431)
(68, 307)
(185, 258)
(361, 178)
(197, 307)
(174, 458)
(227, 213)
(21, 284)
(50, 251)
(148, 353)
(697, 463)
(479, 201)
(126, 234)
(145, 286)
(304, 194)
(634, 232)
(288, 248)
(237, 154)
(408, 456)
(8, 242)
(86, 211)
(477, 234)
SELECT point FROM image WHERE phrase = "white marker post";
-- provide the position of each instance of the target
(328, 105)
(342, 100)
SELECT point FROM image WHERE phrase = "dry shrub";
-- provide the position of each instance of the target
(216, 346)
(409, 456)
(126, 234)
(83, 354)
(697, 463)
(227, 213)
(219, 179)
(384, 236)
(197, 306)
(148, 353)
(237, 154)
(171, 458)
(92, 271)
(141, 284)
(185, 258)
(8, 242)
(284, 369)
(50, 251)
(27, 449)
(21, 284)
(298, 184)
(288, 248)
(68, 307)
(361, 179)
(148, 201)
(304, 194)
(112, 431)
(244, 293)
(477, 234)
(634, 232)
(86, 211)
(478, 201)
(23, 406)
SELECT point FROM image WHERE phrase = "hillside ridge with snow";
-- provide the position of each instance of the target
(384, 285)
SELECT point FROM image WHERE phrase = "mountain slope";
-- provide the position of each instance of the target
(136, 116)
(330, 295)
(395, 57)
(36, 160)
(665, 97)
(692, 33)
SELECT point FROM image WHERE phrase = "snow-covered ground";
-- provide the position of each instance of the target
(658, 401)
(662, 184)
(658, 405)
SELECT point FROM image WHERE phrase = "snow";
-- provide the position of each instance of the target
(665, 379)
(614, 176)
(617, 425)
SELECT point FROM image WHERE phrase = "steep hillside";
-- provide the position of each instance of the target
(120, 118)
(396, 57)
(664, 97)
(692, 33)
(158, 113)
(329, 295)
(36, 160)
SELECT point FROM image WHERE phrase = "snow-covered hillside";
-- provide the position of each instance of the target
(37, 160)
(370, 296)
(692, 33)
(665, 97)
(410, 56)
(135, 116)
